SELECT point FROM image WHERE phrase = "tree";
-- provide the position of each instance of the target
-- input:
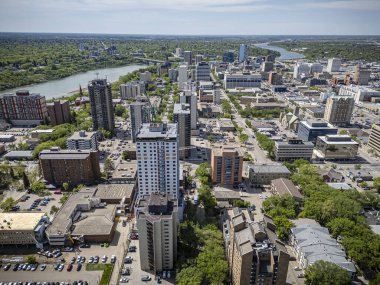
(25, 180)
(283, 226)
(125, 155)
(358, 166)
(203, 170)
(108, 167)
(31, 259)
(376, 184)
(376, 280)
(38, 187)
(326, 273)
(120, 110)
(54, 209)
(206, 197)
(210, 138)
(243, 138)
(65, 186)
(8, 204)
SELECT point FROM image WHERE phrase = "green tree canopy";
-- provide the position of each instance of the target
(326, 273)
(8, 204)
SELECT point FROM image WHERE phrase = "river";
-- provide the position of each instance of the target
(65, 86)
(285, 54)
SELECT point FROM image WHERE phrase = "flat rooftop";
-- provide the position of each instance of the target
(269, 169)
(157, 131)
(20, 221)
(84, 136)
(114, 191)
(64, 154)
(19, 154)
(99, 221)
(337, 139)
(181, 109)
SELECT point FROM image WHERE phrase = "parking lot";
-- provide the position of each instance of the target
(50, 275)
(37, 203)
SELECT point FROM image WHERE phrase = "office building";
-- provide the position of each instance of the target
(293, 149)
(275, 78)
(182, 116)
(374, 138)
(202, 71)
(140, 113)
(157, 224)
(310, 130)
(361, 75)
(360, 93)
(190, 97)
(283, 186)
(173, 74)
(198, 58)
(101, 104)
(146, 77)
(131, 90)
(267, 66)
(241, 80)
(226, 165)
(23, 108)
(311, 243)
(178, 52)
(83, 140)
(336, 147)
(339, 110)
(59, 112)
(254, 253)
(260, 175)
(23, 228)
(71, 166)
(183, 75)
(333, 64)
(301, 69)
(188, 57)
(229, 56)
(315, 68)
(242, 52)
(158, 159)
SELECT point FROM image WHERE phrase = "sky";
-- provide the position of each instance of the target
(193, 17)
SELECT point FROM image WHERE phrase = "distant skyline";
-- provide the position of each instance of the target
(193, 17)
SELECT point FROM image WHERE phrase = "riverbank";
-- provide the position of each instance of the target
(69, 85)
(285, 54)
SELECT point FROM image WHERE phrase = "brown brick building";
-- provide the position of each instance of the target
(71, 166)
(226, 165)
(59, 112)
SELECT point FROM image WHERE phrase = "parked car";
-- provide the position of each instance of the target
(43, 267)
(79, 267)
(69, 267)
(146, 278)
(104, 258)
(124, 280)
(113, 259)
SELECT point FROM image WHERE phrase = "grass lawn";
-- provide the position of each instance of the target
(107, 271)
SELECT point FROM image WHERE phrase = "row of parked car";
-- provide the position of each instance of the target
(80, 282)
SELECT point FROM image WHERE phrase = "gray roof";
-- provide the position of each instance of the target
(157, 131)
(181, 108)
(64, 154)
(285, 186)
(19, 153)
(315, 243)
(264, 168)
(229, 194)
(77, 136)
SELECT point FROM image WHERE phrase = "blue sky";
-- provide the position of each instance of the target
(193, 17)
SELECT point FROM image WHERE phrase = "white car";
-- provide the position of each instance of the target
(124, 280)
(104, 258)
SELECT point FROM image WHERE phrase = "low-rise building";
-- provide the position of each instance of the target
(283, 186)
(313, 242)
(293, 149)
(336, 147)
(23, 228)
(7, 138)
(207, 110)
(360, 93)
(83, 140)
(19, 155)
(157, 223)
(225, 125)
(310, 130)
(374, 138)
(255, 255)
(260, 175)
(82, 218)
